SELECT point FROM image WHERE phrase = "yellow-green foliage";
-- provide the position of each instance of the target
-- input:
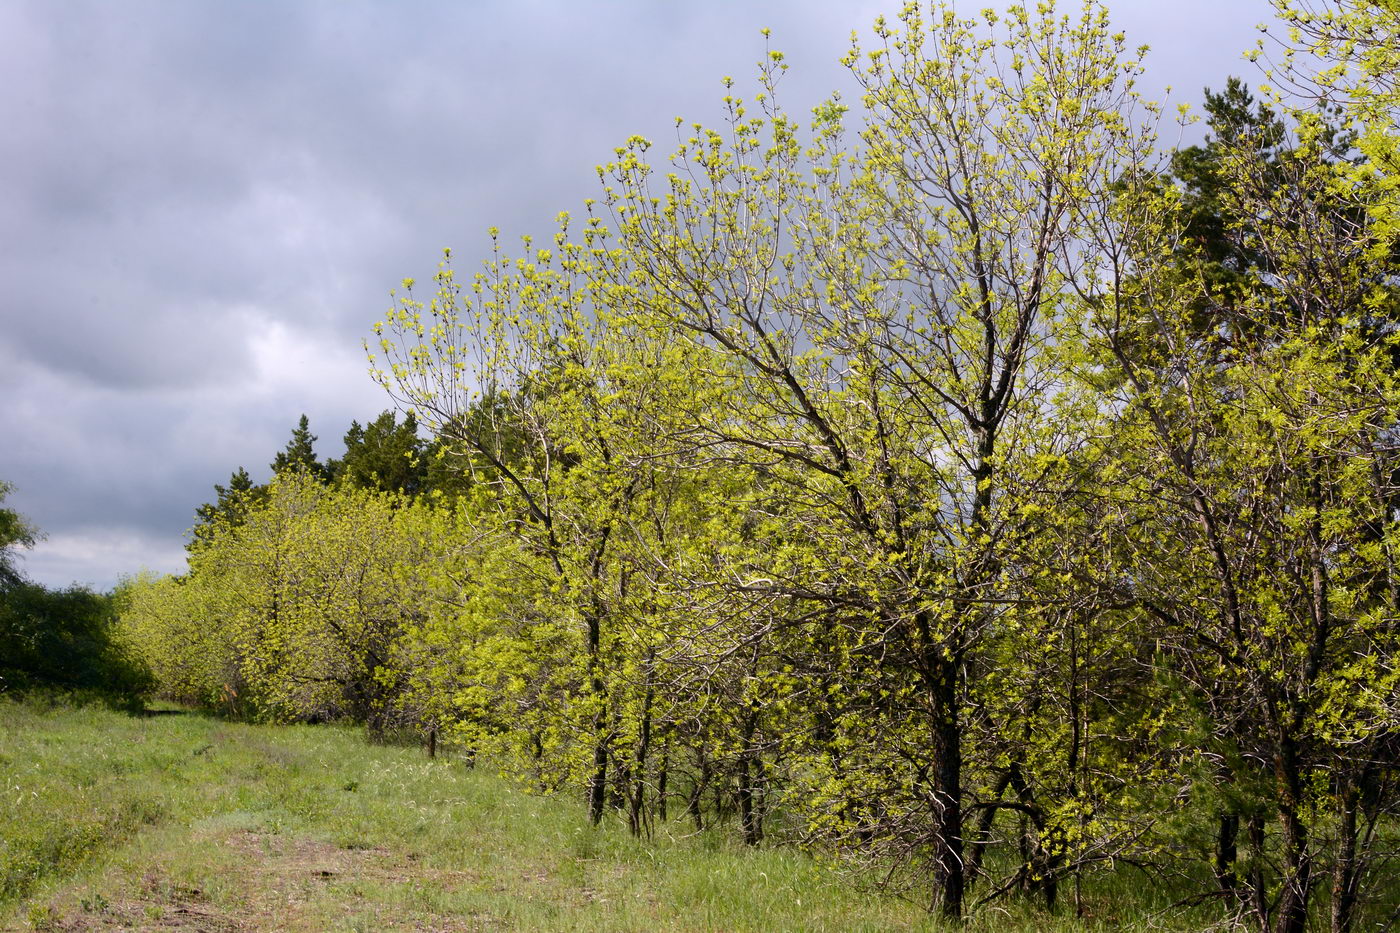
(904, 484)
(172, 626)
(297, 611)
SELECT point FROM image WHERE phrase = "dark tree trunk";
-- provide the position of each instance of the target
(697, 790)
(636, 808)
(978, 847)
(1346, 875)
(598, 783)
(1040, 864)
(747, 830)
(537, 753)
(1258, 890)
(1295, 861)
(948, 866)
(750, 822)
(1050, 878)
(1297, 877)
(1227, 833)
(662, 773)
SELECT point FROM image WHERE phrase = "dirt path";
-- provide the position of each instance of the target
(273, 882)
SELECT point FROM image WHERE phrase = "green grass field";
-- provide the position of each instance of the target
(183, 822)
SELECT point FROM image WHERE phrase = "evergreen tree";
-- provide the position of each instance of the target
(384, 455)
(300, 454)
(230, 506)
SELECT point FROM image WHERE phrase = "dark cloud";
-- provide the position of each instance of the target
(206, 204)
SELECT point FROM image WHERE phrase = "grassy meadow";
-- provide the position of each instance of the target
(184, 822)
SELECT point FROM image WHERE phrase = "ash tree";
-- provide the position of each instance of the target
(551, 404)
(890, 294)
(942, 472)
(1253, 450)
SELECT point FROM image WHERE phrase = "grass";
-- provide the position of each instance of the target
(183, 822)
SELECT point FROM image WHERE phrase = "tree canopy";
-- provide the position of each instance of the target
(15, 532)
(949, 480)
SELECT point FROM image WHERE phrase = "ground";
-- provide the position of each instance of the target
(183, 822)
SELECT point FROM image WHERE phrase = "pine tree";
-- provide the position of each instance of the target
(299, 453)
(229, 508)
(383, 455)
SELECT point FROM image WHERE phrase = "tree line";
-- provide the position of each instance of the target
(59, 639)
(951, 481)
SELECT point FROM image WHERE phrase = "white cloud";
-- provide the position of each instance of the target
(97, 557)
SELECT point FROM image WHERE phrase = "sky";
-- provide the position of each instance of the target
(205, 205)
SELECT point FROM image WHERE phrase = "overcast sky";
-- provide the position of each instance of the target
(205, 205)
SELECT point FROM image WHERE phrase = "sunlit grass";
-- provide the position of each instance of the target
(131, 818)
(190, 822)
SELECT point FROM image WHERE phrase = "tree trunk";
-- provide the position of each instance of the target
(978, 848)
(1297, 877)
(636, 808)
(1295, 861)
(948, 867)
(662, 773)
(1227, 832)
(696, 792)
(1345, 874)
(1258, 891)
(1040, 862)
(598, 783)
(750, 824)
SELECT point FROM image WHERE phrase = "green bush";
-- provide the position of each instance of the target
(63, 639)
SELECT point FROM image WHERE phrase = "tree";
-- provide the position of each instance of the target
(530, 384)
(15, 531)
(58, 638)
(179, 631)
(944, 474)
(229, 508)
(888, 298)
(299, 454)
(296, 606)
(64, 639)
(1252, 464)
(1346, 52)
(383, 455)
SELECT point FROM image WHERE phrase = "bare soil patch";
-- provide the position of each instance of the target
(279, 882)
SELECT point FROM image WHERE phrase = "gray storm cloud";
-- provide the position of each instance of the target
(206, 204)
